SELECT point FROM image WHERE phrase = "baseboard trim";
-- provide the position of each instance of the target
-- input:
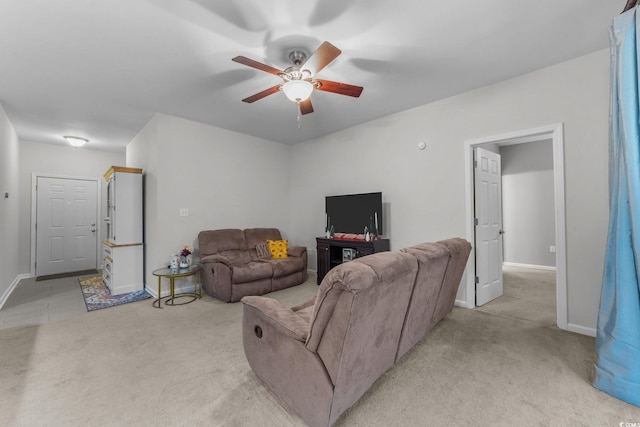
(462, 303)
(534, 266)
(583, 330)
(133, 287)
(11, 287)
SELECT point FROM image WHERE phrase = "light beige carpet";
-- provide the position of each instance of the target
(529, 294)
(134, 365)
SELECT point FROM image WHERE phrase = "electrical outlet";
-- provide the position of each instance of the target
(552, 248)
(184, 212)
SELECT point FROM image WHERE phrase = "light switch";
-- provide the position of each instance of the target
(184, 211)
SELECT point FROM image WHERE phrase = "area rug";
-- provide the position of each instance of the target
(96, 294)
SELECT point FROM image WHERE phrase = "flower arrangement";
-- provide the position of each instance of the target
(184, 253)
(186, 250)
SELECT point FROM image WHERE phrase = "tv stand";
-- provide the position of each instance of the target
(330, 251)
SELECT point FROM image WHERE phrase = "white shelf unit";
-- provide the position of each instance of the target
(123, 250)
(122, 268)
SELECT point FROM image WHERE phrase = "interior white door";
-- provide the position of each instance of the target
(66, 215)
(488, 213)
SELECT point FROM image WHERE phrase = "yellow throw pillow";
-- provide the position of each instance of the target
(278, 248)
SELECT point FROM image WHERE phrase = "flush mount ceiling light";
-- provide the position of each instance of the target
(297, 90)
(76, 141)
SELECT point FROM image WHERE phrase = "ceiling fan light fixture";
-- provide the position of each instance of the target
(297, 90)
(76, 141)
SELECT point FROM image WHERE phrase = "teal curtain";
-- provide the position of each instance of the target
(618, 333)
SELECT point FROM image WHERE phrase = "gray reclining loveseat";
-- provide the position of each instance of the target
(232, 269)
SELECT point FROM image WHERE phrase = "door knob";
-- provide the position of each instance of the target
(501, 232)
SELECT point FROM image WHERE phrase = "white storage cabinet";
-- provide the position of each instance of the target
(123, 250)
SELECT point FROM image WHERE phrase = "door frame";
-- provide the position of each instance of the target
(34, 209)
(555, 132)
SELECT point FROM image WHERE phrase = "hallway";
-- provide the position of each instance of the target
(529, 294)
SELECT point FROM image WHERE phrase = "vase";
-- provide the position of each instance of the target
(184, 262)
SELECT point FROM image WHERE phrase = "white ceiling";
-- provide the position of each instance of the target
(101, 69)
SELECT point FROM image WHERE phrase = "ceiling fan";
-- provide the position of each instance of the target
(298, 80)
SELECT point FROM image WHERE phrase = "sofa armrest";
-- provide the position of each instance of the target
(209, 259)
(296, 251)
(288, 322)
(311, 301)
(216, 276)
(296, 376)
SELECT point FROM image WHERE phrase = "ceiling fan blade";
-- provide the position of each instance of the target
(306, 107)
(257, 65)
(340, 88)
(322, 57)
(258, 96)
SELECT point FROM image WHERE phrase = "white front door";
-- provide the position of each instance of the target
(488, 213)
(66, 215)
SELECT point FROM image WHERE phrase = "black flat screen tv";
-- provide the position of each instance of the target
(351, 213)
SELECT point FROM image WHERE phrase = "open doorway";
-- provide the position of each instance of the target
(528, 233)
(529, 294)
(554, 134)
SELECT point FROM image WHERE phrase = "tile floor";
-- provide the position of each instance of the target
(37, 303)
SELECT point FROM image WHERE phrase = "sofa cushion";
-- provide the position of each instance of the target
(216, 241)
(360, 309)
(459, 249)
(286, 266)
(251, 271)
(278, 248)
(236, 257)
(433, 260)
(254, 236)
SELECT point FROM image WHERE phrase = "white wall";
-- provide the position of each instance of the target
(9, 207)
(59, 160)
(528, 203)
(232, 180)
(424, 190)
(225, 179)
